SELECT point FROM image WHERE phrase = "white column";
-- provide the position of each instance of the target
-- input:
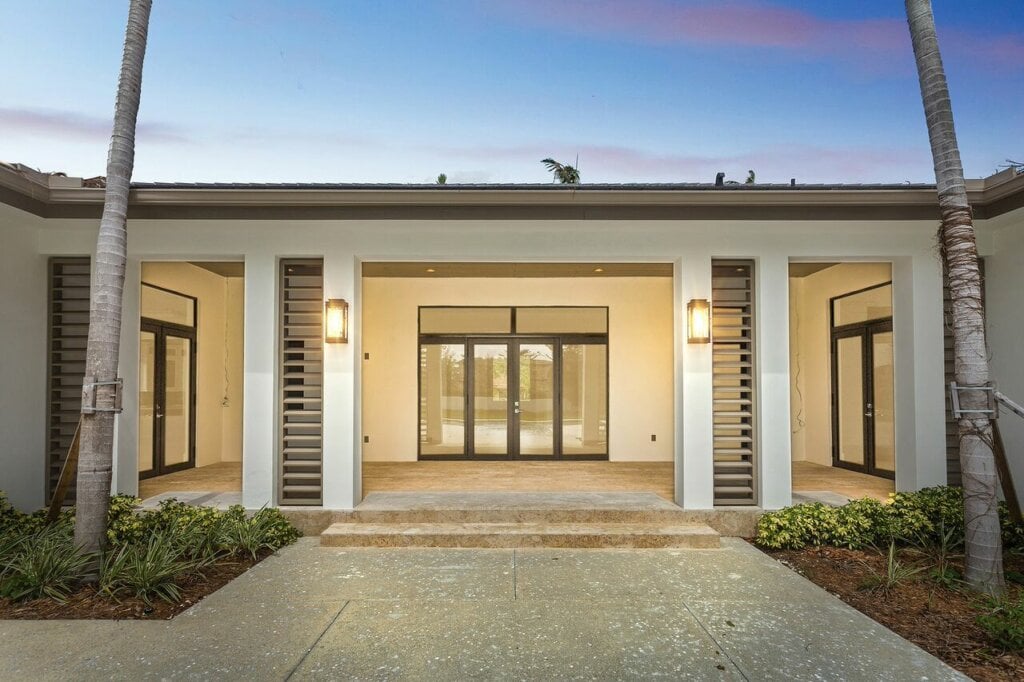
(126, 426)
(340, 464)
(918, 356)
(693, 273)
(259, 416)
(772, 329)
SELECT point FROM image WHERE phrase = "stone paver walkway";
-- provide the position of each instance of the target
(453, 614)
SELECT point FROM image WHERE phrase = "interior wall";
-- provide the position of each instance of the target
(218, 358)
(640, 346)
(1004, 275)
(810, 353)
(23, 374)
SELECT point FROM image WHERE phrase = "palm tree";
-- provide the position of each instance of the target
(97, 431)
(563, 173)
(984, 560)
(751, 178)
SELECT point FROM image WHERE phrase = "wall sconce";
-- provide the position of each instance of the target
(336, 327)
(698, 321)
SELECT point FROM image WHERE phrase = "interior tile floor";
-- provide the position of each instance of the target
(815, 478)
(223, 477)
(520, 476)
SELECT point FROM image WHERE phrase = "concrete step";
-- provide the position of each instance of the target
(520, 535)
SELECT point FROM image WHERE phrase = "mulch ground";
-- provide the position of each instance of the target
(87, 603)
(938, 619)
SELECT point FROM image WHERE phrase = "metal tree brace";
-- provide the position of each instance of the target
(89, 395)
(994, 399)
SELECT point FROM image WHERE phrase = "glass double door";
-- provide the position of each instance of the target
(167, 380)
(863, 427)
(512, 402)
(513, 398)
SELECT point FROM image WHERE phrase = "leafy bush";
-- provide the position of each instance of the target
(44, 564)
(928, 517)
(19, 523)
(266, 529)
(796, 527)
(1005, 624)
(923, 513)
(145, 570)
(863, 523)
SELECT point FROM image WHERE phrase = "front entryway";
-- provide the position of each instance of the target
(190, 381)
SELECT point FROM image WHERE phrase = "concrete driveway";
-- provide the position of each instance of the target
(454, 614)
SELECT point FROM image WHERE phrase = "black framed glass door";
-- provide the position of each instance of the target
(513, 402)
(863, 425)
(167, 397)
(513, 397)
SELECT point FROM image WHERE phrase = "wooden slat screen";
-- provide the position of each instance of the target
(301, 382)
(952, 434)
(733, 372)
(68, 330)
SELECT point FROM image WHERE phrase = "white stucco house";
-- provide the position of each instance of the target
(727, 344)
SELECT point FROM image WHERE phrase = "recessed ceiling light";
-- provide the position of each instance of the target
(598, 269)
(431, 270)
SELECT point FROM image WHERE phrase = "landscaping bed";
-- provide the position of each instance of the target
(86, 602)
(901, 564)
(941, 620)
(154, 564)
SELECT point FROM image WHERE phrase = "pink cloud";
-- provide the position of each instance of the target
(750, 24)
(73, 125)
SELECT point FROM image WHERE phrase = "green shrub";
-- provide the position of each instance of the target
(896, 573)
(796, 527)
(44, 564)
(1013, 533)
(921, 514)
(266, 529)
(145, 570)
(124, 525)
(1005, 624)
(862, 523)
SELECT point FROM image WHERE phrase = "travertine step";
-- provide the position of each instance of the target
(520, 535)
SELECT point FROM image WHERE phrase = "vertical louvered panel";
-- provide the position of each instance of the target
(68, 330)
(733, 372)
(952, 434)
(301, 382)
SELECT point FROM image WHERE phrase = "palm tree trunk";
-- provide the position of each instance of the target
(96, 456)
(984, 560)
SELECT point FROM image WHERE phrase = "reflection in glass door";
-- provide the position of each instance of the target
(863, 434)
(490, 433)
(167, 370)
(534, 407)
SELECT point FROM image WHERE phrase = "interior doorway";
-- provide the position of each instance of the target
(190, 377)
(842, 411)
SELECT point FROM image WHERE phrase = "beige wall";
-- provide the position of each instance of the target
(810, 362)
(218, 373)
(640, 343)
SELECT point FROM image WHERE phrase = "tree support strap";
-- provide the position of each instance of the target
(994, 400)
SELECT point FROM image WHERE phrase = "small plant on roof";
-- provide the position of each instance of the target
(563, 173)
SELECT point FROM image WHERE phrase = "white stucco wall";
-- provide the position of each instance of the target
(810, 352)
(690, 244)
(1004, 273)
(640, 338)
(23, 288)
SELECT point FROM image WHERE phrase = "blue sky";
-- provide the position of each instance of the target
(646, 90)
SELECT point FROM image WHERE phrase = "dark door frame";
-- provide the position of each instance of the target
(514, 342)
(866, 332)
(161, 330)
